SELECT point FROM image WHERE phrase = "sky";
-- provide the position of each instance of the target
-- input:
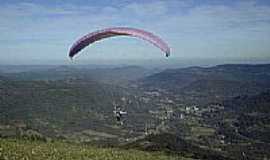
(34, 32)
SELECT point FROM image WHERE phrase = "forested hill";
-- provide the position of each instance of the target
(211, 84)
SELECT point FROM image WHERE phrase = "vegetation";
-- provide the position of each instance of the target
(12, 149)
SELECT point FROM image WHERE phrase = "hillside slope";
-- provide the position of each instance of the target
(55, 108)
(23, 149)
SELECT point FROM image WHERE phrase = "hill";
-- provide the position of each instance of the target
(214, 84)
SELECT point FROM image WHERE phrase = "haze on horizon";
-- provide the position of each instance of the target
(33, 32)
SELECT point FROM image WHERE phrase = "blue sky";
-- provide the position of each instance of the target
(43, 31)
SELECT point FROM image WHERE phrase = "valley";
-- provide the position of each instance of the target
(219, 112)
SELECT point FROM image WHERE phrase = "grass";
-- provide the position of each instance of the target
(13, 149)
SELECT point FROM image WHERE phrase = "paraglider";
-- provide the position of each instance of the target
(118, 31)
(98, 35)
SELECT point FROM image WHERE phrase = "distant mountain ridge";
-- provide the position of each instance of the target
(117, 75)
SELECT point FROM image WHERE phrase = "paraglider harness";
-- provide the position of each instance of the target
(118, 114)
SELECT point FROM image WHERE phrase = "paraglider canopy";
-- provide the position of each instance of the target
(118, 31)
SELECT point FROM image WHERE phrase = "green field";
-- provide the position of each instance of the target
(12, 149)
